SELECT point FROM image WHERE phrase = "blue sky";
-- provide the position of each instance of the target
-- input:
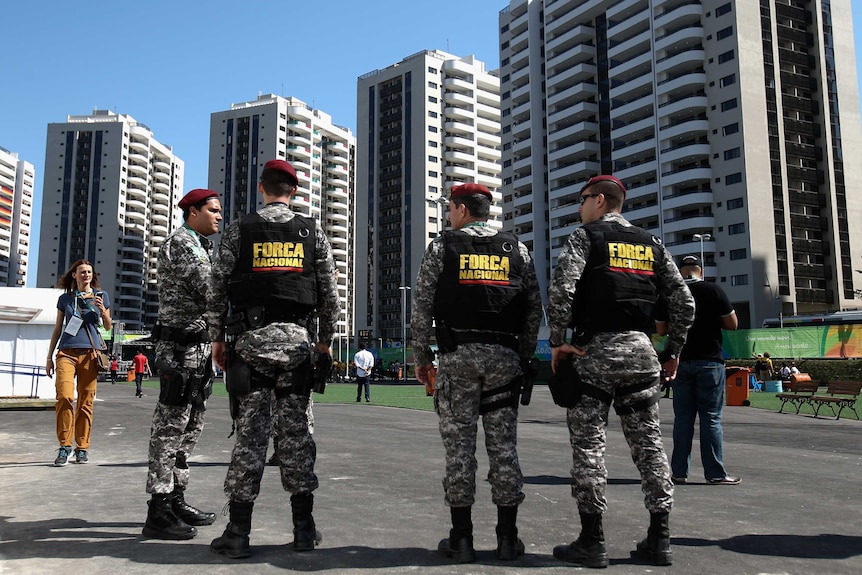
(171, 64)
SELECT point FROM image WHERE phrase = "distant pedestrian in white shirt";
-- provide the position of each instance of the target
(364, 362)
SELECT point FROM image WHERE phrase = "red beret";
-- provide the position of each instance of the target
(469, 190)
(282, 166)
(597, 179)
(195, 197)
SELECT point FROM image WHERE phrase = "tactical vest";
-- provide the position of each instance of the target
(275, 267)
(618, 289)
(484, 276)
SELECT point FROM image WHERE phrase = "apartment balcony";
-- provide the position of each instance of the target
(678, 154)
(694, 199)
(460, 142)
(137, 192)
(581, 169)
(577, 54)
(299, 150)
(686, 14)
(140, 182)
(490, 182)
(488, 112)
(694, 102)
(456, 113)
(635, 67)
(566, 23)
(486, 125)
(337, 192)
(633, 47)
(574, 152)
(687, 60)
(632, 89)
(579, 92)
(457, 84)
(159, 214)
(690, 34)
(636, 149)
(460, 172)
(683, 127)
(575, 74)
(576, 113)
(684, 175)
(336, 159)
(457, 99)
(689, 224)
(133, 203)
(458, 127)
(141, 147)
(141, 171)
(637, 170)
(634, 130)
(570, 134)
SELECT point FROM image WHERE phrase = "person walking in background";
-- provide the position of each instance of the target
(184, 361)
(364, 361)
(608, 278)
(81, 309)
(115, 365)
(698, 389)
(142, 368)
(276, 272)
(479, 287)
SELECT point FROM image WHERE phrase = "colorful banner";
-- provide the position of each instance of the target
(833, 341)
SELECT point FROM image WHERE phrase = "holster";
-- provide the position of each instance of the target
(201, 386)
(446, 341)
(322, 371)
(237, 380)
(565, 384)
(503, 396)
(173, 383)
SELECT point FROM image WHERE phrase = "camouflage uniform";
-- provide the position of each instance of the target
(615, 360)
(184, 269)
(273, 351)
(464, 374)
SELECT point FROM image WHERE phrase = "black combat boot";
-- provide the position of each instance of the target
(305, 533)
(163, 523)
(656, 547)
(459, 545)
(589, 549)
(233, 542)
(188, 513)
(509, 547)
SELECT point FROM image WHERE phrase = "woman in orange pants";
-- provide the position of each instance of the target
(80, 310)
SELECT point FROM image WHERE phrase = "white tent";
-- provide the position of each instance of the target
(27, 317)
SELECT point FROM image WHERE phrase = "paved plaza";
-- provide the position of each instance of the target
(380, 503)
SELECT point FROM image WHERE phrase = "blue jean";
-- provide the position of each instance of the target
(698, 391)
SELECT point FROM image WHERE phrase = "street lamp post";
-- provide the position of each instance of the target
(404, 329)
(702, 238)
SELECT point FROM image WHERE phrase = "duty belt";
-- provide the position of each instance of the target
(179, 335)
(258, 316)
(505, 339)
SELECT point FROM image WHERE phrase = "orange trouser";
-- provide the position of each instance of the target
(72, 363)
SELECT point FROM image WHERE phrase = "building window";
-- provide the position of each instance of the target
(432, 85)
(740, 280)
(731, 154)
(432, 99)
(734, 204)
(733, 178)
(726, 57)
(432, 114)
(739, 254)
(432, 159)
(727, 81)
(734, 229)
(724, 33)
(728, 105)
(432, 174)
(432, 70)
(432, 144)
(722, 10)
(730, 129)
(432, 129)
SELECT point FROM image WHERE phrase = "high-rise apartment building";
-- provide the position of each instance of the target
(245, 137)
(729, 122)
(425, 124)
(109, 196)
(16, 209)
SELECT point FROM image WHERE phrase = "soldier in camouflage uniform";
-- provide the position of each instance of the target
(608, 277)
(183, 357)
(480, 287)
(275, 269)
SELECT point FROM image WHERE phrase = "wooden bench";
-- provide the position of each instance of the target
(840, 393)
(799, 391)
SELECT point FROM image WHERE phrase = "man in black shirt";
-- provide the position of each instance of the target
(698, 390)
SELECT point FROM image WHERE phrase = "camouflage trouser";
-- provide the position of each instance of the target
(613, 363)
(296, 449)
(462, 375)
(176, 429)
(173, 437)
